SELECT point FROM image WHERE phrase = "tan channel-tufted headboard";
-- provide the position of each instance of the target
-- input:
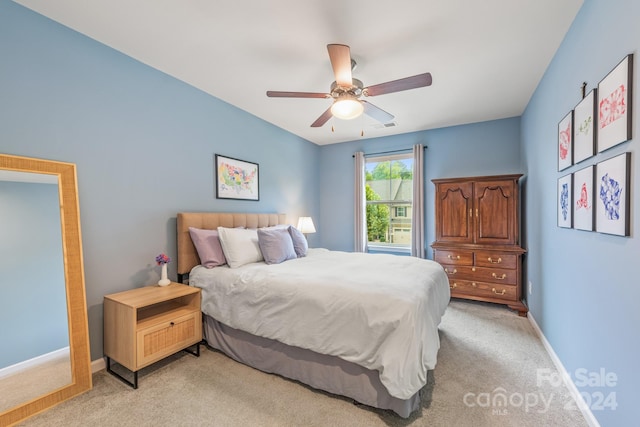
(187, 255)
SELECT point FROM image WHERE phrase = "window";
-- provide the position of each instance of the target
(389, 193)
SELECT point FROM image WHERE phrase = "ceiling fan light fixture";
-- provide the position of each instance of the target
(347, 108)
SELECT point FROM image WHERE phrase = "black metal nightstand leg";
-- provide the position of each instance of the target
(133, 384)
(195, 352)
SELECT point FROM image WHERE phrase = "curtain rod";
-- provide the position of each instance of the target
(390, 152)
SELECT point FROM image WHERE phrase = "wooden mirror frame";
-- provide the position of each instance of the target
(75, 290)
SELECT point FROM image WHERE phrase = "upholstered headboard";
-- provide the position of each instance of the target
(187, 255)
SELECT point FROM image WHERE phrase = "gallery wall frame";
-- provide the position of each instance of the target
(236, 179)
(565, 142)
(612, 195)
(565, 212)
(584, 128)
(615, 106)
(583, 209)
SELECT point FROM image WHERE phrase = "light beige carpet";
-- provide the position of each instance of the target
(486, 352)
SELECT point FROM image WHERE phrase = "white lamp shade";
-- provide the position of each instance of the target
(305, 225)
(347, 108)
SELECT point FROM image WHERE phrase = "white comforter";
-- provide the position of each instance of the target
(379, 311)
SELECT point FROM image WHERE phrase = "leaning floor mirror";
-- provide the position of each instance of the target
(45, 355)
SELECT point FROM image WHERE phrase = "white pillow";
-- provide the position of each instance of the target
(240, 246)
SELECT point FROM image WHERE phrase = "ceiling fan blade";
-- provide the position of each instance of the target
(376, 112)
(340, 57)
(280, 94)
(324, 118)
(412, 82)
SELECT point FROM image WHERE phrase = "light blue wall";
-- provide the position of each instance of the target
(144, 145)
(586, 289)
(488, 148)
(32, 272)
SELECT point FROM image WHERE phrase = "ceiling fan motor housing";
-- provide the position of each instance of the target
(353, 91)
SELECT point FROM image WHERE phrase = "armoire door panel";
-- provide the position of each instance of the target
(495, 220)
(456, 205)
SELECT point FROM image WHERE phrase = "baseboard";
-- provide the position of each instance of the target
(575, 393)
(98, 365)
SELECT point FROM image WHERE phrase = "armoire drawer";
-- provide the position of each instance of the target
(455, 257)
(482, 274)
(491, 290)
(496, 259)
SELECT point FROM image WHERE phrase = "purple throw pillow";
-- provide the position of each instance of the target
(276, 245)
(208, 246)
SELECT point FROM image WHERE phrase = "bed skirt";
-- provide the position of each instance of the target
(327, 373)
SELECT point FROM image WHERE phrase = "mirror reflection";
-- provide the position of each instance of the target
(35, 355)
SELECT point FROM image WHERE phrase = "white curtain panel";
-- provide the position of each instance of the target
(417, 218)
(360, 210)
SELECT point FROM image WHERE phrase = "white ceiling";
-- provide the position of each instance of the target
(486, 57)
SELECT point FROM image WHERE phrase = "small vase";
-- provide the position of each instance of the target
(164, 280)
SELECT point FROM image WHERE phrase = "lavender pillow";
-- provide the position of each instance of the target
(207, 243)
(300, 244)
(276, 245)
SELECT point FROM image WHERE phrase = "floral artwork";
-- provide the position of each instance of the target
(614, 106)
(584, 128)
(236, 179)
(565, 136)
(612, 194)
(583, 199)
(564, 202)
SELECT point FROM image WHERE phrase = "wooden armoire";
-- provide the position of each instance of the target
(477, 238)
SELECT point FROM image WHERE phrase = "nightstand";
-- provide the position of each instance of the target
(145, 325)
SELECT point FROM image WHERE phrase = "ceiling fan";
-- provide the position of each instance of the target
(346, 91)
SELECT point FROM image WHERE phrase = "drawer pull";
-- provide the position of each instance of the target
(451, 272)
(455, 285)
(171, 323)
(498, 293)
(495, 276)
(494, 262)
(453, 257)
(474, 284)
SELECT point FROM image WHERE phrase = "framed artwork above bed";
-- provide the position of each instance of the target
(236, 179)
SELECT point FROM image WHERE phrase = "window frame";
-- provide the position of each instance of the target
(404, 248)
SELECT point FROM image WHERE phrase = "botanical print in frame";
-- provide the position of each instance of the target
(584, 127)
(564, 201)
(565, 145)
(614, 105)
(236, 179)
(612, 195)
(583, 210)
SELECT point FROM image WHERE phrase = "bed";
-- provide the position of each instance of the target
(289, 318)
